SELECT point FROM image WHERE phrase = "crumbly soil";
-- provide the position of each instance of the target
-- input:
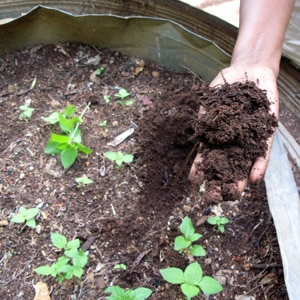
(128, 215)
(233, 128)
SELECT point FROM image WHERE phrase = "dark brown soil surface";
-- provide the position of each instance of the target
(233, 127)
(130, 215)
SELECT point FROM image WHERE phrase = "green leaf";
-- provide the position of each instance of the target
(52, 148)
(189, 290)
(117, 293)
(31, 213)
(186, 227)
(22, 210)
(210, 285)
(58, 240)
(18, 218)
(84, 149)
(193, 273)
(197, 250)
(67, 271)
(69, 111)
(44, 270)
(122, 94)
(120, 266)
(67, 125)
(27, 112)
(181, 243)
(127, 158)
(195, 237)
(52, 118)
(68, 157)
(173, 275)
(31, 223)
(83, 180)
(110, 155)
(213, 220)
(81, 259)
(224, 221)
(76, 135)
(141, 293)
(221, 228)
(59, 138)
(128, 102)
(73, 244)
(77, 271)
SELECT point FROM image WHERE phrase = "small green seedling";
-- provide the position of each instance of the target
(122, 94)
(219, 222)
(184, 243)
(117, 293)
(26, 216)
(69, 143)
(118, 157)
(26, 112)
(106, 99)
(191, 280)
(122, 267)
(103, 123)
(99, 71)
(62, 269)
(84, 180)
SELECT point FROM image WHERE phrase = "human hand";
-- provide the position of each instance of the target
(265, 79)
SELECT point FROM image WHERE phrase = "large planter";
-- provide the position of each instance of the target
(167, 32)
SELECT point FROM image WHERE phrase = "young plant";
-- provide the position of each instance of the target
(99, 71)
(62, 269)
(122, 267)
(117, 293)
(103, 123)
(26, 112)
(118, 157)
(26, 216)
(106, 99)
(191, 280)
(122, 94)
(69, 143)
(84, 180)
(184, 243)
(219, 222)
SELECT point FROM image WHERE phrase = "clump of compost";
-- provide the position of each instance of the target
(233, 127)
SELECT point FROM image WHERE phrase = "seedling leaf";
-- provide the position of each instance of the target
(186, 227)
(141, 293)
(44, 270)
(31, 223)
(58, 240)
(53, 118)
(84, 149)
(210, 285)
(193, 273)
(68, 156)
(31, 213)
(189, 290)
(197, 250)
(18, 218)
(69, 111)
(173, 275)
(181, 243)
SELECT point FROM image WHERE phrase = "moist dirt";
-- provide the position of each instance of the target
(128, 215)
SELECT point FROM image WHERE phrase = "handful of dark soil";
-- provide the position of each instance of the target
(233, 128)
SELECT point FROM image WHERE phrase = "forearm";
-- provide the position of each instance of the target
(261, 32)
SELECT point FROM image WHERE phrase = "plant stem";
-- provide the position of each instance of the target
(77, 124)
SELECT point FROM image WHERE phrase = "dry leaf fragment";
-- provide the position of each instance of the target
(41, 291)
